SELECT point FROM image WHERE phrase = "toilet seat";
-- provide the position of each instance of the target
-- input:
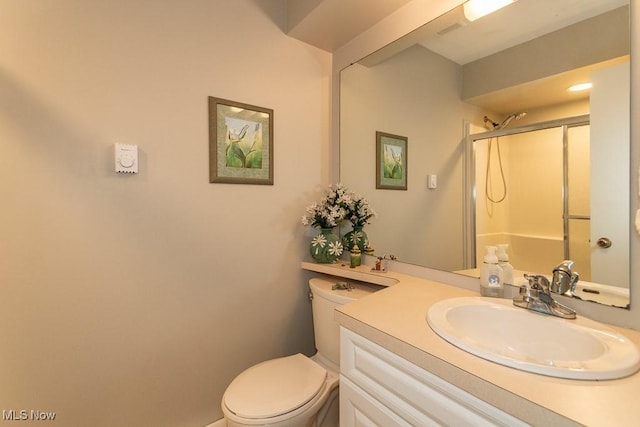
(275, 387)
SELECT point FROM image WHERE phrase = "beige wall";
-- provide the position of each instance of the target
(403, 21)
(419, 225)
(135, 299)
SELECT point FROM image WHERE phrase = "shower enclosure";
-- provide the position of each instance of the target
(532, 192)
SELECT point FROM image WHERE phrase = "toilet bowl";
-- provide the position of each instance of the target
(290, 391)
(296, 391)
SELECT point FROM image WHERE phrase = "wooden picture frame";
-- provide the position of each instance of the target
(391, 161)
(240, 143)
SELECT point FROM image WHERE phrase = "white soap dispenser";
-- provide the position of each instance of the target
(503, 261)
(491, 275)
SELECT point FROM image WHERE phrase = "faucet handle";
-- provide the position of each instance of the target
(565, 267)
(564, 280)
(538, 298)
(538, 281)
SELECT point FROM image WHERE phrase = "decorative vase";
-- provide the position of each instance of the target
(326, 247)
(357, 236)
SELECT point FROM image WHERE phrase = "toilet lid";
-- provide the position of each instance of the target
(274, 387)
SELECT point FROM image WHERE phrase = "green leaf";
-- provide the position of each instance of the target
(235, 155)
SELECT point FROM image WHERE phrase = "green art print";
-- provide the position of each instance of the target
(391, 161)
(240, 143)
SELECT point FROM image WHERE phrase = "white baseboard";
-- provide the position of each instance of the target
(219, 423)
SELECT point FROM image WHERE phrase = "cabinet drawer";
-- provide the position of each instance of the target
(358, 408)
(412, 393)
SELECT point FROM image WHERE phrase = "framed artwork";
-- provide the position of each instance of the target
(391, 161)
(240, 143)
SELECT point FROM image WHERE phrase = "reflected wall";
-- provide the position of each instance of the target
(398, 97)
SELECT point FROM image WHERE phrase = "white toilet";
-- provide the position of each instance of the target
(296, 391)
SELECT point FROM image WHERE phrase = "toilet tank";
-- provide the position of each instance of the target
(325, 301)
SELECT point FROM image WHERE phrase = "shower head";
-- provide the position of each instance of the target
(514, 116)
(491, 125)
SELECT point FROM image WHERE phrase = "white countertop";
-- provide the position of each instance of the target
(395, 318)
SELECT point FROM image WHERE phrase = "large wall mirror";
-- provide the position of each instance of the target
(514, 156)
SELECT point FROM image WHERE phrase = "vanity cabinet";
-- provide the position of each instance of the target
(380, 388)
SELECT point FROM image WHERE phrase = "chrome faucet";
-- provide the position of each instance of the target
(536, 296)
(564, 281)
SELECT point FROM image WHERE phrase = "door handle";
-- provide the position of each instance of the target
(604, 242)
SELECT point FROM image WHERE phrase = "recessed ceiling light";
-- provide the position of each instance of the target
(579, 87)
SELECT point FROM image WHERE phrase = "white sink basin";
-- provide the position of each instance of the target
(496, 330)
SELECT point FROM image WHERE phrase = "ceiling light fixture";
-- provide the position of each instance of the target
(579, 87)
(475, 9)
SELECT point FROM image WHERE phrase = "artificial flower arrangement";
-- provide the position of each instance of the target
(331, 209)
(359, 211)
(337, 205)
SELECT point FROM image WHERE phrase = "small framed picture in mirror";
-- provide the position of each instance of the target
(391, 161)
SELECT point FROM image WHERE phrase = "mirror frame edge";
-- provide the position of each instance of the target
(415, 14)
(409, 17)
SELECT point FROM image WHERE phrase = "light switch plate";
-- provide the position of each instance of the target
(432, 181)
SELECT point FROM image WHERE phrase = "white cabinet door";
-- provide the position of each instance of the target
(359, 409)
(380, 385)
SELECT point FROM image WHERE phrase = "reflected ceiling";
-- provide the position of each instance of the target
(518, 23)
(508, 27)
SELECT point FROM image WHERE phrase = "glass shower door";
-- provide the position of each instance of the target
(577, 199)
